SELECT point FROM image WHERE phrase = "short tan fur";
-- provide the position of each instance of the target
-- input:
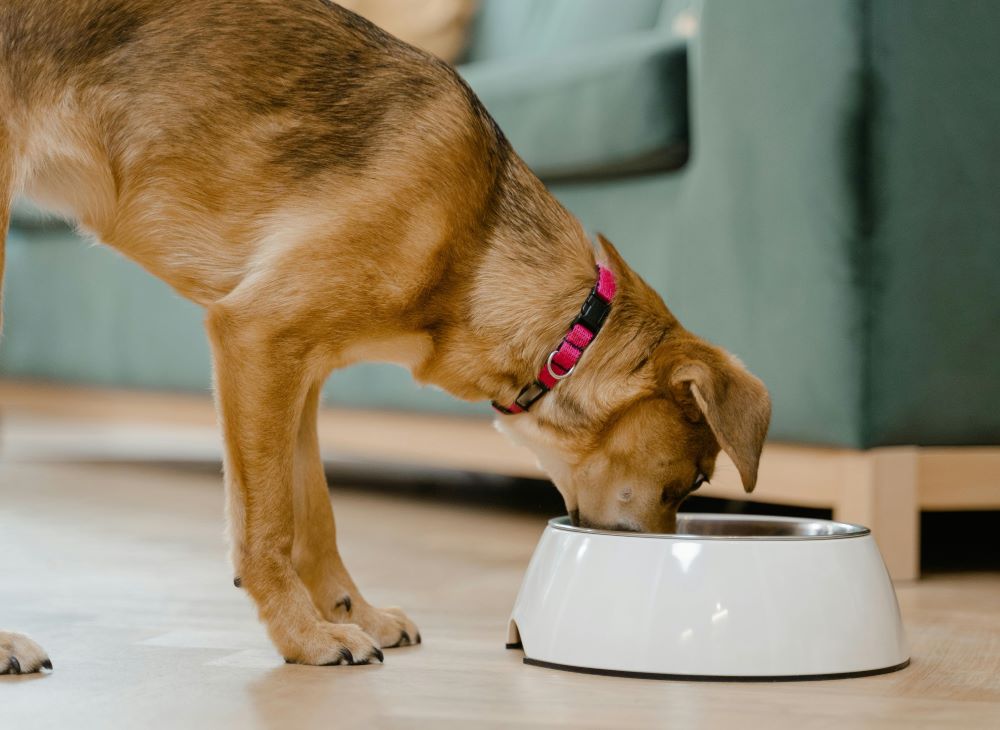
(330, 194)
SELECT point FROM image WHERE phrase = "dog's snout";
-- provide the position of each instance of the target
(622, 527)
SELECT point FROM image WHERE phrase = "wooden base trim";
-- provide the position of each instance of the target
(883, 488)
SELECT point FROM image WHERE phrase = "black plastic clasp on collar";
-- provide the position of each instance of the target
(530, 393)
(593, 312)
(525, 399)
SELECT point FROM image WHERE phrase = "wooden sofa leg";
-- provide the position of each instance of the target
(879, 490)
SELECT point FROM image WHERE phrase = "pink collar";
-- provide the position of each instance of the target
(562, 360)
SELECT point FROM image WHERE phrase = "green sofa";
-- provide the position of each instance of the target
(813, 184)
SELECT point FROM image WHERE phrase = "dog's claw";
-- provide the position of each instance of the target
(380, 656)
(238, 582)
(345, 602)
(21, 655)
(406, 640)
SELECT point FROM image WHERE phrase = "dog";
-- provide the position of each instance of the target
(329, 194)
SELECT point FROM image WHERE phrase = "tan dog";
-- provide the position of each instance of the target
(329, 194)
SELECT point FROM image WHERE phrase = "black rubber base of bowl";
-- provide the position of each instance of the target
(709, 677)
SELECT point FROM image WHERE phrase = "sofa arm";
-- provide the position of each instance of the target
(615, 107)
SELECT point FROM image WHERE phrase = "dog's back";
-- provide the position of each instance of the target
(191, 61)
(185, 133)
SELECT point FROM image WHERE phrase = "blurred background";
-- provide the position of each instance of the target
(812, 184)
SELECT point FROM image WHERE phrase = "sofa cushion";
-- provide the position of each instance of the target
(524, 28)
(440, 27)
(620, 106)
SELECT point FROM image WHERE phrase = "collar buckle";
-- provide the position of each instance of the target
(594, 311)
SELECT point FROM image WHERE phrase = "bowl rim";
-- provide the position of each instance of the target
(844, 530)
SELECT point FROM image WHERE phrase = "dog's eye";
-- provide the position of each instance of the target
(671, 494)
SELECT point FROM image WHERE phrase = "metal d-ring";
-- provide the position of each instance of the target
(553, 373)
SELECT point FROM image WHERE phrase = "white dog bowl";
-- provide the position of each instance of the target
(727, 597)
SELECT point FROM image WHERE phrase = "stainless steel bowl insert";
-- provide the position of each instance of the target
(696, 526)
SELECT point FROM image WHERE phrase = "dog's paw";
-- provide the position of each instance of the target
(390, 626)
(21, 655)
(327, 644)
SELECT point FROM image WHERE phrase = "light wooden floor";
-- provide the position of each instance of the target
(119, 571)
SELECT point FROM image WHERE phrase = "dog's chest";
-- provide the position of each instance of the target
(408, 350)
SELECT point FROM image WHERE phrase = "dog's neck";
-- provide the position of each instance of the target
(535, 317)
(518, 300)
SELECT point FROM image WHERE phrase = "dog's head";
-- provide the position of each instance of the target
(638, 427)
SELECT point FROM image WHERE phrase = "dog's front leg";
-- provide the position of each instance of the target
(315, 553)
(261, 384)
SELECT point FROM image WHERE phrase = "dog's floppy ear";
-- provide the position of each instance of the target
(735, 404)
